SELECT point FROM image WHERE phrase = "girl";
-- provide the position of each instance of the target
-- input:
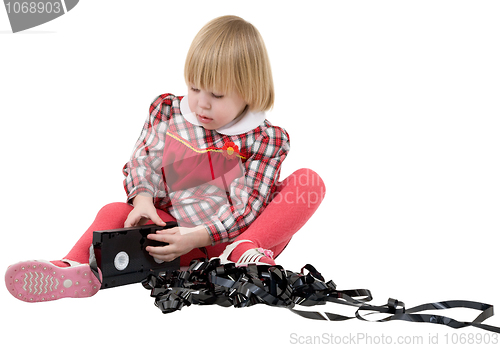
(210, 161)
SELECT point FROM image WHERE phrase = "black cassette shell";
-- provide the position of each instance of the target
(128, 246)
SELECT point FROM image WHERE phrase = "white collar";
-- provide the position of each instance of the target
(242, 124)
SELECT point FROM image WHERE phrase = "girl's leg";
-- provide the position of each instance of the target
(111, 216)
(36, 281)
(299, 196)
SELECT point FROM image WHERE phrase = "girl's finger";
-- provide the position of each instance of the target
(156, 218)
(166, 258)
(159, 250)
(162, 253)
(156, 236)
(131, 220)
(169, 230)
(161, 237)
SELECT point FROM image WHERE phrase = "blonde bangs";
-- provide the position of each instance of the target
(204, 67)
(228, 54)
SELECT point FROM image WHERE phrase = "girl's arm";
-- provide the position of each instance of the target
(252, 192)
(143, 170)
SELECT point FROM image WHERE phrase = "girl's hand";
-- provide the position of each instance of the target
(181, 240)
(143, 211)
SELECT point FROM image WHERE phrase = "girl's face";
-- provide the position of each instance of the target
(214, 110)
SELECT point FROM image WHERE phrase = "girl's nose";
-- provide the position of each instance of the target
(203, 101)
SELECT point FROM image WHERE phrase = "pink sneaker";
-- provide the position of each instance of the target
(39, 281)
(257, 256)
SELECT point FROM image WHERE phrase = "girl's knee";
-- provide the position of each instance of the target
(115, 209)
(308, 180)
(302, 187)
(308, 177)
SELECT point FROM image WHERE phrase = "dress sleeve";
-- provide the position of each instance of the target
(143, 170)
(251, 193)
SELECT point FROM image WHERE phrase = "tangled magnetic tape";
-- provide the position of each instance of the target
(120, 255)
(209, 282)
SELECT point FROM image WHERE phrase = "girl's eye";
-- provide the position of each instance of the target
(195, 89)
(217, 96)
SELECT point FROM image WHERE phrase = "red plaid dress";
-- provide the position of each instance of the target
(203, 177)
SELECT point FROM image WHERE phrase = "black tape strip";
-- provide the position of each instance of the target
(411, 314)
(209, 282)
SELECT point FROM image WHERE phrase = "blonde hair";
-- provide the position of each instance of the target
(228, 54)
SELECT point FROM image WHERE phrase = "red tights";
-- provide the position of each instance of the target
(297, 198)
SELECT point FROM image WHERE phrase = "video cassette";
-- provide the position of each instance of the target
(122, 257)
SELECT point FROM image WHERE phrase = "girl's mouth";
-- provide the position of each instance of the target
(204, 119)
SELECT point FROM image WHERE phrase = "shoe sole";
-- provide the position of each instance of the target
(40, 281)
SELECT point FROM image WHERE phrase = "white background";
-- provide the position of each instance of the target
(394, 103)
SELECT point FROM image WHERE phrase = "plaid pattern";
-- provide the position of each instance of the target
(225, 212)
